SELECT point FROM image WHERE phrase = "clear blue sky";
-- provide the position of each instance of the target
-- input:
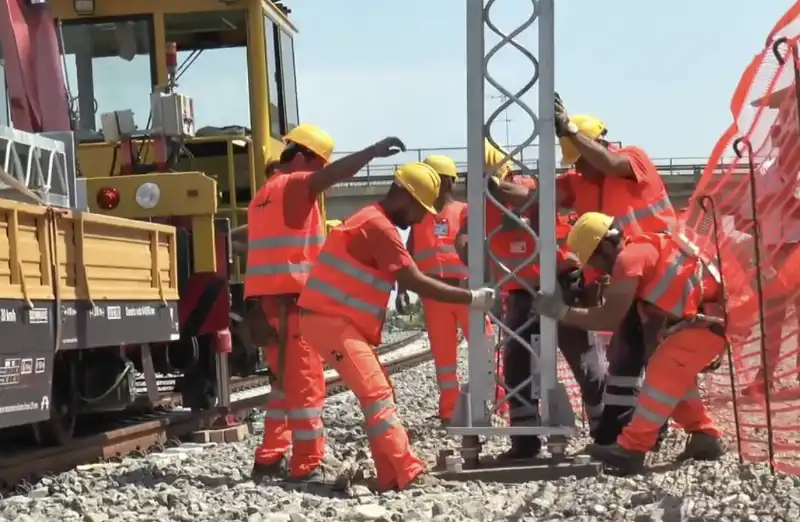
(659, 73)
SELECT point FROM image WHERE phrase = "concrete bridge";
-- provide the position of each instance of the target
(680, 177)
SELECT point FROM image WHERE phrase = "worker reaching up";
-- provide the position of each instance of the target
(432, 245)
(623, 183)
(285, 235)
(514, 247)
(674, 288)
(343, 308)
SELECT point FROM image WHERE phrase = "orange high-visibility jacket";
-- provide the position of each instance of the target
(511, 247)
(279, 258)
(434, 243)
(623, 200)
(342, 286)
(632, 214)
(680, 282)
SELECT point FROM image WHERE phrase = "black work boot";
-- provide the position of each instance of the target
(703, 446)
(618, 460)
(523, 447)
(277, 469)
(319, 476)
(662, 435)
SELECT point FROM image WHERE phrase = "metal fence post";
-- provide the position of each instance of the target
(547, 197)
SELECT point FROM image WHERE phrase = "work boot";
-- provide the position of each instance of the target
(662, 435)
(423, 480)
(523, 447)
(618, 460)
(317, 477)
(703, 446)
(275, 470)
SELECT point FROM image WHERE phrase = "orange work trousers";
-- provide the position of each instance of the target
(343, 347)
(293, 415)
(442, 321)
(670, 388)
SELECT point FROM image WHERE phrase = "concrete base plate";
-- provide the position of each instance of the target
(220, 435)
(516, 472)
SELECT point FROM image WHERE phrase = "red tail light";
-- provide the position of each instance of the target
(107, 198)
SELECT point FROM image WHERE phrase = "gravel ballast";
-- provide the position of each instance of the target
(194, 483)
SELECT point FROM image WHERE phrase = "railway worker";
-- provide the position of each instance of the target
(285, 236)
(512, 245)
(622, 182)
(343, 308)
(432, 246)
(657, 273)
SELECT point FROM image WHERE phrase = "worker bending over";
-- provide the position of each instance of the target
(514, 246)
(285, 235)
(624, 183)
(432, 246)
(343, 308)
(673, 287)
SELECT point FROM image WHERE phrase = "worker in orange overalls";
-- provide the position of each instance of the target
(664, 275)
(431, 244)
(285, 235)
(343, 308)
(513, 246)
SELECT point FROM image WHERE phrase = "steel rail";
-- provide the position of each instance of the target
(152, 432)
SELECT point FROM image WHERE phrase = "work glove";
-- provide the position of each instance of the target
(563, 126)
(388, 147)
(482, 299)
(402, 303)
(549, 305)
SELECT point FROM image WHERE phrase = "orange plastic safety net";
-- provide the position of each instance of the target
(745, 215)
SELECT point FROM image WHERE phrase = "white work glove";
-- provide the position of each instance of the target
(482, 299)
(549, 305)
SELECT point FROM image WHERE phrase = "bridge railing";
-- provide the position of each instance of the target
(381, 173)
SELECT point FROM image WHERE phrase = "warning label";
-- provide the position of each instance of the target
(10, 372)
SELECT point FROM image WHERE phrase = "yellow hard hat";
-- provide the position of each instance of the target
(587, 125)
(421, 181)
(443, 165)
(313, 138)
(493, 159)
(586, 234)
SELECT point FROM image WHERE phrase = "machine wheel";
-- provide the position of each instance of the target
(64, 406)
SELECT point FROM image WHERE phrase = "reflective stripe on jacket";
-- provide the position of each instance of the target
(433, 241)
(279, 258)
(341, 286)
(680, 282)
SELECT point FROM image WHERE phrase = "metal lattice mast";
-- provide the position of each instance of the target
(543, 350)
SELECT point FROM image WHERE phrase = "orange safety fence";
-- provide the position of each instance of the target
(745, 215)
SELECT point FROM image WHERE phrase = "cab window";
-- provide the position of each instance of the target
(282, 81)
(273, 77)
(212, 67)
(109, 67)
(290, 109)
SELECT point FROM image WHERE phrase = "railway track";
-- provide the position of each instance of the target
(154, 431)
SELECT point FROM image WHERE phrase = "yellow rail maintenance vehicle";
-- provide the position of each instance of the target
(147, 152)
